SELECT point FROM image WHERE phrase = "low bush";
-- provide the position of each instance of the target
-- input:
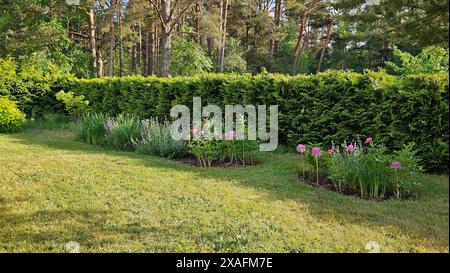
(156, 140)
(11, 118)
(76, 106)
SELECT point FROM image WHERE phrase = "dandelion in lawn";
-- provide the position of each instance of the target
(316, 152)
(301, 149)
(396, 166)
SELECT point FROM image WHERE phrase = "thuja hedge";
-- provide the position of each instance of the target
(333, 106)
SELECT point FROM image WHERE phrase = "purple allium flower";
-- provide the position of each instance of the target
(350, 148)
(230, 135)
(316, 152)
(369, 140)
(301, 148)
(396, 165)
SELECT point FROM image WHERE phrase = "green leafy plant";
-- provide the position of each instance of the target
(432, 59)
(76, 106)
(156, 139)
(369, 169)
(121, 131)
(50, 121)
(91, 128)
(11, 118)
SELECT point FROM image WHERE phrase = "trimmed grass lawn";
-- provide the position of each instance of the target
(54, 189)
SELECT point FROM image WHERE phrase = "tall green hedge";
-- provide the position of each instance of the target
(332, 106)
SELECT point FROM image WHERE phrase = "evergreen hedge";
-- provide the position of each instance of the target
(332, 106)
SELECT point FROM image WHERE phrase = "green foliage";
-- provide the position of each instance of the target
(11, 118)
(156, 139)
(432, 59)
(33, 87)
(368, 170)
(50, 121)
(91, 128)
(331, 106)
(76, 106)
(121, 131)
(188, 58)
(208, 150)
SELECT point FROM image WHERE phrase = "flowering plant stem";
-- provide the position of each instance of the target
(303, 167)
(398, 191)
(317, 171)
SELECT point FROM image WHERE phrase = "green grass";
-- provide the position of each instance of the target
(54, 189)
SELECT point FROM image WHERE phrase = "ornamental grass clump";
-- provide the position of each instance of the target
(156, 139)
(121, 131)
(232, 150)
(91, 128)
(371, 170)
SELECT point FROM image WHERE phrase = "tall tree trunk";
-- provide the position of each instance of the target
(112, 41)
(101, 72)
(144, 42)
(165, 38)
(221, 57)
(139, 48)
(297, 52)
(197, 22)
(92, 40)
(325, 45)
(277, 19)
(120, 39)
(151, 47)
(133, 57)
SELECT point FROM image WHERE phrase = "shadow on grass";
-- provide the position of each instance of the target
(425, 218)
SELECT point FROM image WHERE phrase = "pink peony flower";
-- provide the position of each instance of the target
(301, 148)
(396, 165)
(316, 152)
(330, 152)
(350, 148)
(201, 133)
(194, 131)
(369, 140)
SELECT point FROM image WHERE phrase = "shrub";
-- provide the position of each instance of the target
(91, 128)
(121, 131)
(76, 106)
(11, 118)
(156, 140)
(335, 105)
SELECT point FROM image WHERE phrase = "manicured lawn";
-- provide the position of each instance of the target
(54, 189)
